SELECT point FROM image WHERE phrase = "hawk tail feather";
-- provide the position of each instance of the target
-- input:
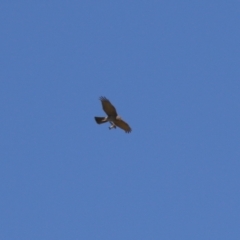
(100, 120)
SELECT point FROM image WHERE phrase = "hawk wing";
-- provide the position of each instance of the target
(108, 108)
(123, 125)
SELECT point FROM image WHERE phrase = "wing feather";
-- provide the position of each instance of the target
(123, 125)
(108, 108)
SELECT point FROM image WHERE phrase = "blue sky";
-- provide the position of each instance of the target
(171, 68)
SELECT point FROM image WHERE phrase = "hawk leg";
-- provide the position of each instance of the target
(112, 125)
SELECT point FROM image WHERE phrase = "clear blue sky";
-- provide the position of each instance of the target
(172, 70)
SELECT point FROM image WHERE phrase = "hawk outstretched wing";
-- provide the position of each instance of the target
(121, 124)
(108, 108)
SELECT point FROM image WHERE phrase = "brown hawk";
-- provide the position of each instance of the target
(112, 116)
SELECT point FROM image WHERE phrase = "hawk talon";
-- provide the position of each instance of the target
(112, 126)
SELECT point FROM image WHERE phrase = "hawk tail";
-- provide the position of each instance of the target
(100, 120)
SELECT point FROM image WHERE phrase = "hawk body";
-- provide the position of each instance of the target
(112, 116)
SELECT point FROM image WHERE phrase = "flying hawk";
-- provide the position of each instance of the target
(112, 116)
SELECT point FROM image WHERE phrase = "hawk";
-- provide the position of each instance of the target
(112, 116)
